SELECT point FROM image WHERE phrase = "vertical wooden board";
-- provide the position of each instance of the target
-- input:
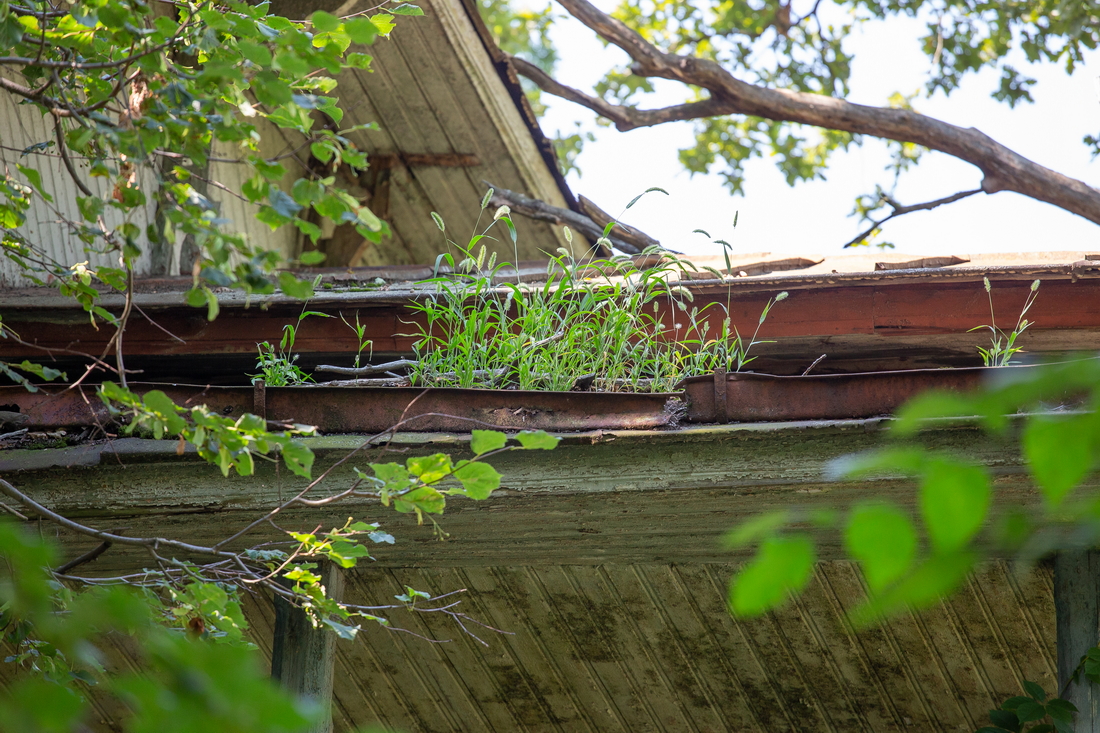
(852, 663)
(602, 623)
(550, 630)
(905, 680)
(582, 634)
(659, 674)
(685, 650)
(490, 677)
(399, 101)
(411, 666)
(455, 664)
(972, 651)
(813, 629)
(532, 676)
(1035, 590)
(22, 126)
(1018, 625)
(430, 58)
(771, 684)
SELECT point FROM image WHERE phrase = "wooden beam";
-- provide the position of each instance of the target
(303, 657)
(1077, 605)
(422, 160)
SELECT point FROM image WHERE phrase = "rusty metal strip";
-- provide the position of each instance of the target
(721, 405)
(763, 397)
(373, 410)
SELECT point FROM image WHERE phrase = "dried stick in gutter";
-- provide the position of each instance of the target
(816, 362)
(389, 366)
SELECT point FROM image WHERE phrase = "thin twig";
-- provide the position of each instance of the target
(900, 210)
(816, 362)
(68, 163)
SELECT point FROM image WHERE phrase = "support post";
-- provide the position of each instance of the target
(1077, 608)
(303, 658)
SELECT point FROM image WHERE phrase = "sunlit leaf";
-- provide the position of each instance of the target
(882, 538)
(782, 565)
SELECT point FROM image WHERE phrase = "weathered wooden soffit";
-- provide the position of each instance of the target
(602, 560)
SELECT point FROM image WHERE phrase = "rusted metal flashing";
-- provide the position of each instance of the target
(373, 409)
(749, 397)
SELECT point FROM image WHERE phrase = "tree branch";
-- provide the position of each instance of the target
(542, 211)
(900, 210)
(625, 118)
(1003, 169)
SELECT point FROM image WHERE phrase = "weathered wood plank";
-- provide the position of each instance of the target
(1077, 604)
(303, 657)
(614, 497)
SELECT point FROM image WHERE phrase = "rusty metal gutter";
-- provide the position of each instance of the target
(748, 397)
(876, 320)
(372, 409)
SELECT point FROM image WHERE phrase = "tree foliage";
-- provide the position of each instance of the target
(138, 94)
(724, 52)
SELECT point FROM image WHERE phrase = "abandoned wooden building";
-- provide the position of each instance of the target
(599, 565)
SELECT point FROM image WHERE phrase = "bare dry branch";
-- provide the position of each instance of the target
(542, 211)
(899, 210)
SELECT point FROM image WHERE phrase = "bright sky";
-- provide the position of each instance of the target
(813, 217)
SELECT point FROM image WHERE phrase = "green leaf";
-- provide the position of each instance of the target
(283, 203)
(47, 373)
(359, 60)
(159, 402)
(90, 207)
(324, 22)
(755, 529)
(478, 479)
(430, 469)
(424, 499)
(1030, 711)
(407, 9)
(782, 565)
(483, 441)
(212, 307)
(1061, 452)
(1005, 719)
(344, 631)
(1036, 692)
(271, 91)
(884, 542)
(383, 23)
(36, 180)
(312, 257)
(537, 440)
(298, 458)
(392, 474)
(361, 30)
(295, 288)
(255, 52)
(932, 580)
(954, 500)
